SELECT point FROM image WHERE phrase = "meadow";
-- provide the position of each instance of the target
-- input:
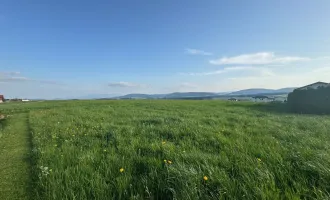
(165, 149)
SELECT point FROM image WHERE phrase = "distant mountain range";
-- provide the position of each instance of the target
(205, 95)
(175, 95)
(189, 95)
(97, 96)
(186, 95)
(255, 91)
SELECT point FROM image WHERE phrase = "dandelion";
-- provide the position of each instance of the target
(165, 161)
(121, 170)
(205, 178)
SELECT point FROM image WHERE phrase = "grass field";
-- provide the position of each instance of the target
(163, 149)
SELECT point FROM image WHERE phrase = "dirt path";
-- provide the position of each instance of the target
(14, 158)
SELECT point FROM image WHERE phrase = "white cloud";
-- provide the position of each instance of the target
(188, 85)
(276, 81)
(323, 58)
(197, 52)
(13, 77)
(321, 70)
(122, 84)
(259, 70)
(9, 73)
(260, 58)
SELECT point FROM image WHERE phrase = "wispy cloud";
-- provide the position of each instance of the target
(9, 73)
(125, 84)
(15, 77)
(321, 70)
(188, 85)
(231, 69)
(281, 80)
(260, 58)
(197, 52)
(323, 58)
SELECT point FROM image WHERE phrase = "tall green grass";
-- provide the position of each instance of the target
(167, 149)
(14, 158)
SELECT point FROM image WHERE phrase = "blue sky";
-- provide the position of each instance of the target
(60, 49)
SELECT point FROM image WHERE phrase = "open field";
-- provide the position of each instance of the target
(166, 149)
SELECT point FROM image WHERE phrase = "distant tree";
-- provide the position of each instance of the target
(310, 100)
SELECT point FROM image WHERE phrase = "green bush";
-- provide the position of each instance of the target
(316, 101)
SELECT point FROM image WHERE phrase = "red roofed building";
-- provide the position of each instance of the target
(2, 99)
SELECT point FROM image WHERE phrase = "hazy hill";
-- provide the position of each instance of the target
(178, 95)
(261, 91)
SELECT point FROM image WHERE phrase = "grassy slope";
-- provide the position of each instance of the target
(247, 150)
(244, 151)
(14, 165)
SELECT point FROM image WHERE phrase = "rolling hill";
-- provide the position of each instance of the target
(254, 91)
(179, 95)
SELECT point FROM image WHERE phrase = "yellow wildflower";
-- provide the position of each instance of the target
(169, 162)
(205, 178)
(121, 170)
(259, 159)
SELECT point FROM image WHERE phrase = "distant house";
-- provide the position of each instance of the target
(25, 100)
(2, 99)
(15, 99)
(314, 86)
(261, 97)
(232, 99)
